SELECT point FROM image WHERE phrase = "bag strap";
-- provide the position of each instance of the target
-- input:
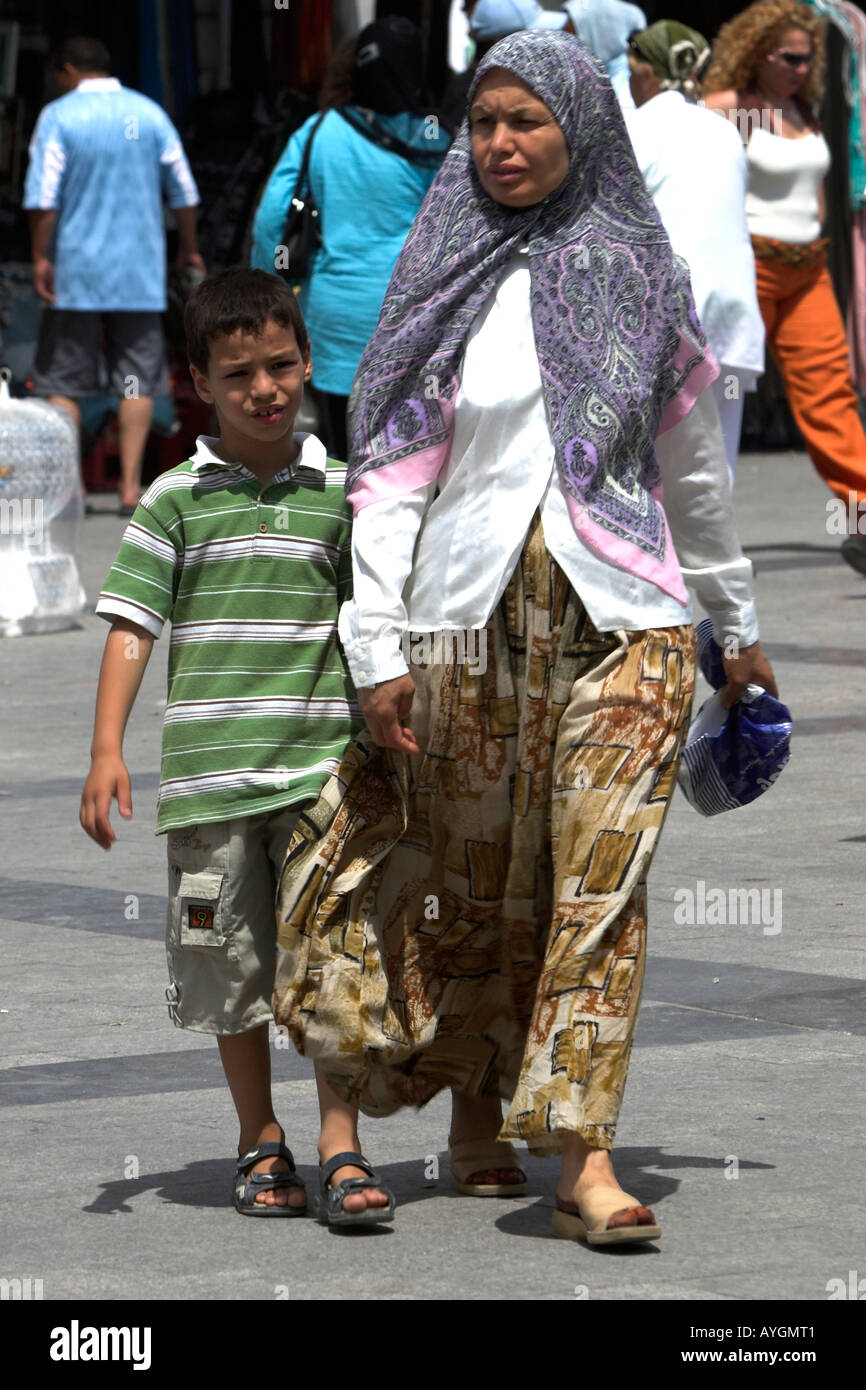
(305, 160)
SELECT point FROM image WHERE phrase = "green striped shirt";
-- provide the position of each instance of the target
(260, 703)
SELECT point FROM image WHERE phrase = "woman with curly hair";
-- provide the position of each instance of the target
(767, 77)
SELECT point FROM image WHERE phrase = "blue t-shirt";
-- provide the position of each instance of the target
(104, 156)
(367, 198)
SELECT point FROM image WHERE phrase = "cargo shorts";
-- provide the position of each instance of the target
(221, 930)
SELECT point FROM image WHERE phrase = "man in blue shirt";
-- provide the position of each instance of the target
(102, 159)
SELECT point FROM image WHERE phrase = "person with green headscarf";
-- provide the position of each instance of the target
(677, 55)
(697, 175)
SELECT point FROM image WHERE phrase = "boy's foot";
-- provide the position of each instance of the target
(279, 1196)
(354, 1201)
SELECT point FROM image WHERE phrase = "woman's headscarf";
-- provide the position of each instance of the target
(620, 350)
(677, 54)
(389, 66)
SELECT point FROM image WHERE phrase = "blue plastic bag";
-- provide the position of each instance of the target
(732, 756)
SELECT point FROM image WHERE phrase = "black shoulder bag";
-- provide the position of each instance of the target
(302, 236)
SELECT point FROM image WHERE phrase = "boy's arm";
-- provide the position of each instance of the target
(127, 651)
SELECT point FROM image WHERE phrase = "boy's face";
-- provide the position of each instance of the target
(256, 384)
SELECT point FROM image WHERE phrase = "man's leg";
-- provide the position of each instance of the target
(133, 424)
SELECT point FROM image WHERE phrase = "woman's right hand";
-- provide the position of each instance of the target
(385, 708)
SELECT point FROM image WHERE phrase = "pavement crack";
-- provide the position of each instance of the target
(756, 1018)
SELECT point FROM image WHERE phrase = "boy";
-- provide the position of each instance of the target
(246, 549)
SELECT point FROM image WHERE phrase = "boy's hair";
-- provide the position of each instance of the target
(239, 298)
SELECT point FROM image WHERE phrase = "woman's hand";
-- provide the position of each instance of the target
(385, 708)
(749, 667)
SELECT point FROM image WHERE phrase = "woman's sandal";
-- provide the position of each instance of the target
(470, 1156)
(598, 1205)
(329, 1204)
(245, 1185)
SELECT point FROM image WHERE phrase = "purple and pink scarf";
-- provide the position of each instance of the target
(620, 349)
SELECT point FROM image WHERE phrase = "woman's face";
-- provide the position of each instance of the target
(517, 144)
(786, 66)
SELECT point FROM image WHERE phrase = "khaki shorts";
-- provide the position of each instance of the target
(221, 934)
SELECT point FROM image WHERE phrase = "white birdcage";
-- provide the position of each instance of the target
(40, 516)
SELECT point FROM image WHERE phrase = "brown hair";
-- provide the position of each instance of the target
(744, 42)
(239, 298)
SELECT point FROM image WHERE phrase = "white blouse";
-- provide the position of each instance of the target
(695, 170)
(439, 558)
(784, 179)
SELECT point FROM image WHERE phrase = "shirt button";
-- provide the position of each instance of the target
(263, 526)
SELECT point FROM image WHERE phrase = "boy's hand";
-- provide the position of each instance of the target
(108, 778)
(385, 707)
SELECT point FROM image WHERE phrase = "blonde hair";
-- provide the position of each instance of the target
(744, 42)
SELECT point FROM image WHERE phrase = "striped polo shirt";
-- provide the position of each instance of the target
(251, 577)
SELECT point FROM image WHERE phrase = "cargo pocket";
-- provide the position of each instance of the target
(200, 912)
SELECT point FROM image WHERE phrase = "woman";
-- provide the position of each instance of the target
(694, 167)
(373, 157)
(473, 916)
(767, 77)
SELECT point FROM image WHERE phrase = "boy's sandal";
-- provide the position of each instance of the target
(470, 1156)
(588, 1219)
(245, 1185)
(329, 1206)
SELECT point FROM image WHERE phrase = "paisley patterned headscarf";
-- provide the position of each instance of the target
(621, 353)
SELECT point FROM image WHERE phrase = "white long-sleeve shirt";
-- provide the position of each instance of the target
(439, 558)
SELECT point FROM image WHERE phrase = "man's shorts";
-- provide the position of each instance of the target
(67, 361)
(221, 934)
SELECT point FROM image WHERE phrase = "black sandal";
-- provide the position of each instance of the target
(245, 1185)
(329, 1205)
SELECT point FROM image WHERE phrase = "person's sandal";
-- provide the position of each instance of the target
(470, 1156)
(329, 1205)
(588, 1220)
(245, 1184)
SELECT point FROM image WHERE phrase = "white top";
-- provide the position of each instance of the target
(441, 556)
(695, 170)
(784, 179)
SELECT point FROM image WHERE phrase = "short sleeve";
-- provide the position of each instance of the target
(44, 182)
(178, 184)
(142, 583)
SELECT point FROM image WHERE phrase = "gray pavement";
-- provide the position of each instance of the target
(743, 1123)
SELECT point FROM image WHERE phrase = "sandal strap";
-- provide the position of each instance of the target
(269, 1150)
(262, 1181)
(344, 1160)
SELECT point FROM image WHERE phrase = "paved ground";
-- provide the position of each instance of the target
(743, 1123)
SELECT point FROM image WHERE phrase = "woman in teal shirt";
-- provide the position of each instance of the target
(370, 166)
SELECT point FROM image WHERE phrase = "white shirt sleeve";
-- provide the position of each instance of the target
(373, 621)
(700, 512)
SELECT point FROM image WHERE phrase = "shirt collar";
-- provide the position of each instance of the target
(98, 84)
(312, 458)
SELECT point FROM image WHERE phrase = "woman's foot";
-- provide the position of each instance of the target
(278, 1196)
(584, 1168)
(480, 1117)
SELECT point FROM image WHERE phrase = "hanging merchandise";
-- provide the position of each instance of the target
(40, 511)
(851, 23)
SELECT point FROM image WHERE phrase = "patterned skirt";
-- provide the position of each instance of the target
(474, 917)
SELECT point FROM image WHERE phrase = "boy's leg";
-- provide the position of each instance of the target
(340, 1135)
(221, 944)
(246, 1059)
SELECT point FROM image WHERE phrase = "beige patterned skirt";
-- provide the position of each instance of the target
(474, 917)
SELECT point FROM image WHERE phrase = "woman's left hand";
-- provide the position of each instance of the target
(750, 666)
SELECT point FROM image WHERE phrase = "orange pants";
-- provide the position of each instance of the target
(807, 339)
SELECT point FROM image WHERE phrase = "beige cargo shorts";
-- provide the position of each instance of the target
(221, 932)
